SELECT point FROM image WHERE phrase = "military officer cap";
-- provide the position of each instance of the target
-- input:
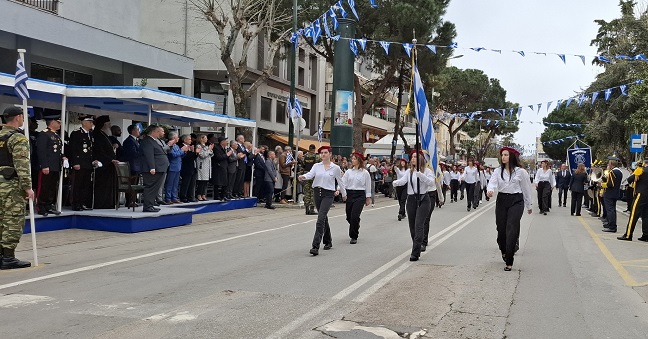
(86, 118)
(12, 111)
(49, 115)
(312, 147)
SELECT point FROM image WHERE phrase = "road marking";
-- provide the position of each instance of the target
(17, 300)
(171, 250)
(629, 280)
(293, 325)
(633, 261)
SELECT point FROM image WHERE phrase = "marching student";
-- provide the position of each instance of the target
(357, 183)
(471, 175)
(418, 201)
(454, 183)
(401, 193)
(513, 187)
(544, 182)
(324, 175)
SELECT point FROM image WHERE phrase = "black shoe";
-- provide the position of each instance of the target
(468, 209)
(9, 263)
(400, 217)
(423, 248)
(507, 268)
(643, 238)
(328, 246)
(78, 208)
(314, 251)
(504, 257)
(610, 230)
(578, 215)
(623, 237)
(353, 241)
(270, 207)
(53, 210)
(42, 212)
(413, 258)
(544, 213)
(151, 210)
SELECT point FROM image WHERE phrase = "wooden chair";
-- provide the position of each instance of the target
(125, 184)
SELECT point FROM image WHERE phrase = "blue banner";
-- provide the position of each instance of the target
(577, 156)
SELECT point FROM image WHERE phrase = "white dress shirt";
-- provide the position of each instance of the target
(542, 175)
(518, 183)
(325, 178)
(357, 180)
(425, 179)
(470, 175)
(447, 177)
(455, 176)
(399, 172)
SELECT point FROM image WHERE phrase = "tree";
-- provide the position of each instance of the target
(567, 116)
(394, 20)
(238, 24)
(463, 91)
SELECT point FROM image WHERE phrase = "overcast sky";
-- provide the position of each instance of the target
(558, 26)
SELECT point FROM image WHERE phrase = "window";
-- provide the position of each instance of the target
(176, 90)
(281, 112)
(261, 50)
(266, 109)
(77, 79)
(302, 55)
(60, 75)
(306, 116)
(275, 62)
(313, 70)
(300, 76)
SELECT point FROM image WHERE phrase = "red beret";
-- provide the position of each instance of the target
(319, 150)
(414, 151)
(510, 149)
(358, 155)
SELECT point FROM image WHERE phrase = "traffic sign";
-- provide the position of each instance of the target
(636, 143)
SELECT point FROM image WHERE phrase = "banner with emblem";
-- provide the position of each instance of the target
(576, 156)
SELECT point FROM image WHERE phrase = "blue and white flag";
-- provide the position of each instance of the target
(408, 49)
(363, 43)
(623, 90)
(562, 57)
(326, 26)
(353, 47)
(582, 58)
(373, 3)
(317, 31)
(352, 5)
(608, 93)
(385, 46)
(298, 111)
(594, 96)
(20, 86)
(320, 132)
(342, 11)
(426, 128)
(334, 19)
(289, 158)
(431, 48)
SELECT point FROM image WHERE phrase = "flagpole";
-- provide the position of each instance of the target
(32, 222)
(296, 162)
(59, 198)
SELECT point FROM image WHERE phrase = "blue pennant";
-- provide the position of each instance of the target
(539, 105)
(519, 111)
(581, 99)
(385, 46)
(569, 102)
(603, 59)
(520, 52)
(497, 50)
(623, 89)
(640, 57)
(502, 112)
(326, 26)
(363, 43)
(623, 57)
(453, 45)
(477, 49)
(335, 38)
(294, 39)
(562, 57)
(334, 19)
(343, 13)
(582, 58)
(353, 10)
(408, 49)
(432, 48)
(488, 122)
(373, 3)
(317, 31)
(531, 107)
(353, 47)
(558, 103)
(549, 105)
(594, 96)
(511, 112)
(308, 32)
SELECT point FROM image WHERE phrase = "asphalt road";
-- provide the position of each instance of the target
(248, 274)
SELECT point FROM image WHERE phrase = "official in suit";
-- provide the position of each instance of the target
(131, 153)
(81, 160)
(562, 183)
(259, 173)
(50, 159)
(611, 195)
(116, 132)
(155, 164)
(222, 152)
(270, 177)
(242, 156)
(232, 169)
(577, 184)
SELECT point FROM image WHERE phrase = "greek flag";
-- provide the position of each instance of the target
(320, 132)
(289, 158)
(426, 129)
(297, 111)
(21, 80)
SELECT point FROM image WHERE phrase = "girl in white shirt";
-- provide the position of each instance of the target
(446, 181)
(544, 182)
(418, 201)
(471, 174)
(357, 183)
(455, 177)
(401, 192)
(324, 175)
(513, 187)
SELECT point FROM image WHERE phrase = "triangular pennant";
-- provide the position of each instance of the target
(539, 106)
(308, 31)
(353, 10)
(558, 103)
(623, 57)
(608, 94)
(520, 52)
(623, 89)
(385, 46)
(453, 45)
(603, 59)
(519, 111)
(511, 112)
(531, 107)
(335, 38)
(408, 49)
(582, 58)
(334, 19)
(549, 105)
(581, 99)
(373, 3)
(294, 39)
(477, 49)
(640, 57)
(569, 102)
(353, 47)
(327, 31)
(363, 43)
(317, 31)
(562, 57)
(343, 13)
(502, 112)
(594, 96)
(432, 48)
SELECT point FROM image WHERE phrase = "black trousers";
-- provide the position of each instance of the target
(610, 208)
(417, 211)
(508, 213)
(401, 194)
(238, 181)
(639, 209)
(470, 192)
(187, 186)
(47, 188)
(82, 188)
(268, 190)
(629, 196)
(426, 229)
(259, 184)
(323, 202)
(152, 184)
(285, 180)
(454, 187)
(586, 199)
(231, 180)
(201, 187)
(354, 204)
(544, 188)
(444, 189)
(562, 196)
(576, 202)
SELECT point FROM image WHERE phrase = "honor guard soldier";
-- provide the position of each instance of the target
(48, 146)
(640, 203)
(81, 160)
(15, 186)
(310, 159)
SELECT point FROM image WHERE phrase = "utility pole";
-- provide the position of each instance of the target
(293, 66)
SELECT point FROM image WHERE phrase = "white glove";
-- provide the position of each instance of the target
(66, 163)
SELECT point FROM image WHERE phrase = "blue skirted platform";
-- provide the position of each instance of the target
(126, 221)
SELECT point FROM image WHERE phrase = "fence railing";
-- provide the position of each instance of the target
(46, 5)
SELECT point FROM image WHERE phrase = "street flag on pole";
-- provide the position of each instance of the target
(426, 128)
(298, 109)
(21, 81)
(320, 132)
(289, 158)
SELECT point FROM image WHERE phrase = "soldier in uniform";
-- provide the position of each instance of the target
(15, 186)
(640, 203)
(48, 146)
(310, 159)
(82, 161)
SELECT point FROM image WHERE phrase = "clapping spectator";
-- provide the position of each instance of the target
(204, 155)
(175, 155)
(187, 170)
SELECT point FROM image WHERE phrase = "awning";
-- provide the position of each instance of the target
(303, 143)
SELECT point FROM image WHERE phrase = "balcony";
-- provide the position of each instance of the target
(46, 5)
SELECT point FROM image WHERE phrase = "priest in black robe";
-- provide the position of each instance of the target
(105, 176)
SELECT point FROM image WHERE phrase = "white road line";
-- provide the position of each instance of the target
(153, 254)
(293, 325)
